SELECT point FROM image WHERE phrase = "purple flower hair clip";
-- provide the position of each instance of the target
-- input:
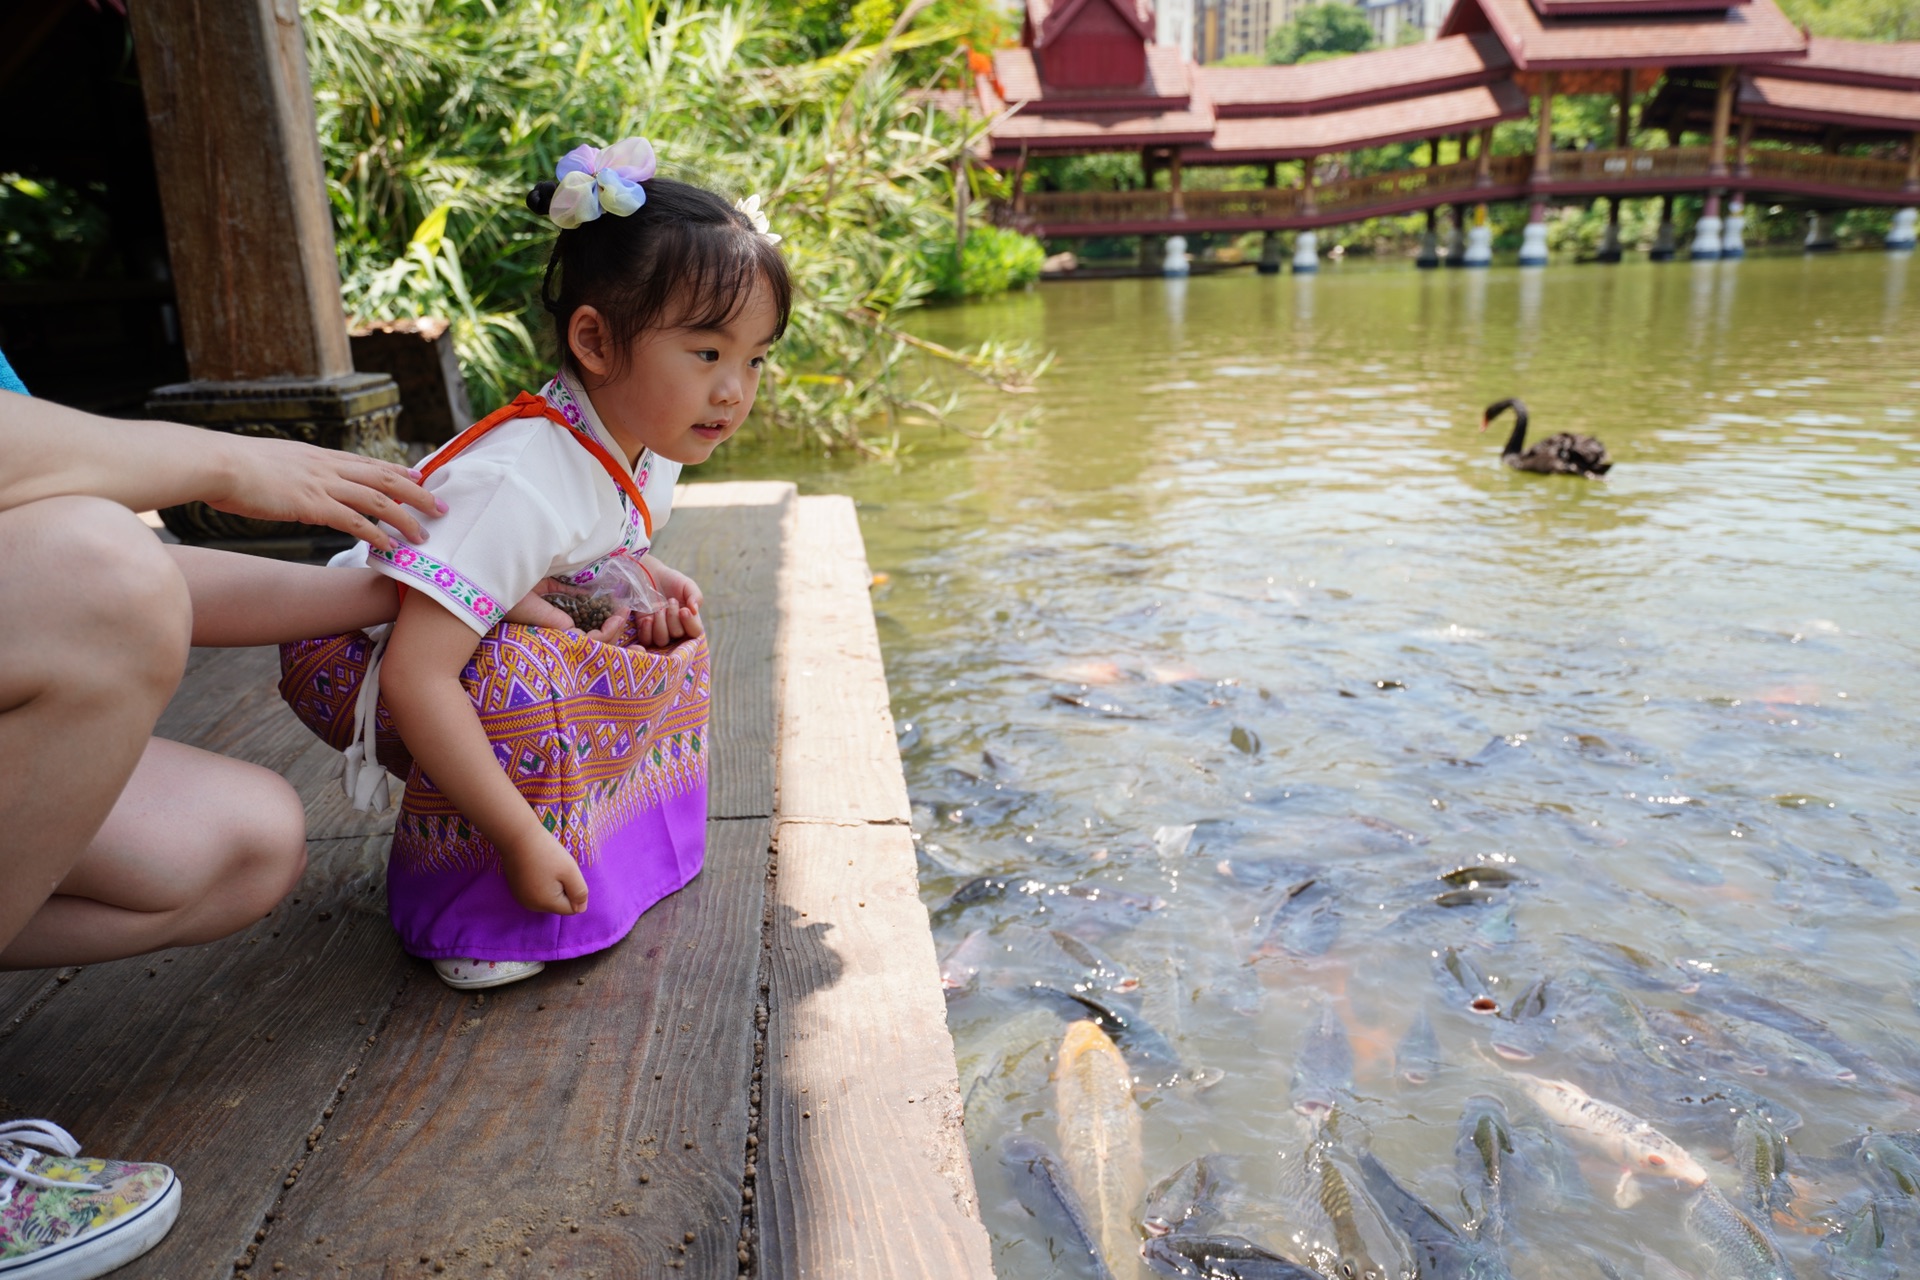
(593, 182)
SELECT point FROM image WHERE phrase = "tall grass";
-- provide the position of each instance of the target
(438, 115)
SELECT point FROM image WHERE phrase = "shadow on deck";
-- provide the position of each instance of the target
(757, 1081)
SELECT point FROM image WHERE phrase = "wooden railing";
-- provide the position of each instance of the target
(1859, 172)
(1354, 198)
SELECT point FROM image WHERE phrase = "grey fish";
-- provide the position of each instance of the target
(963, 964)
(1101, 971)
(1717, 991)
(1615, 1027)
(1741, 1248)
(1041, 1185)
(1524, 1027)
(1219, 1258)
(1186, 1201)
(1416, 1059)
(1463, 982)
(1889, 1161)
(1473, 897)
(1857, 1249)
(1323, 1069)
(1302, 922)
(1482, 1153)
(1760, 1151)
(1363, 1245)
(1480, 875)
(1440, 1251)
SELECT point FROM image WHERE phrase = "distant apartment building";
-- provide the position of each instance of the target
(1228, 28)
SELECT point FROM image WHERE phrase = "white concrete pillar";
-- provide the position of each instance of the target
(1706, 232)
(1819, 231)
(1176, 262)
(1901, 234)
(1306, 253)
(1733, 243)
(1533, 244)
(1271, 253)
(1479, 251)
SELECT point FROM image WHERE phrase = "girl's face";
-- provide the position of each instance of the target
(682, 391)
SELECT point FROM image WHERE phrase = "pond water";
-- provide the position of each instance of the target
(1206, 679)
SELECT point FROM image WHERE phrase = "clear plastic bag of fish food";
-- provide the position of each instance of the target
(623, 585)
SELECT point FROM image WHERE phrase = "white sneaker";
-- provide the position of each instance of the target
(67, 1217)
(471, 975)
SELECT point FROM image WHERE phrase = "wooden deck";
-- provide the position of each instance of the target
(757, 1081)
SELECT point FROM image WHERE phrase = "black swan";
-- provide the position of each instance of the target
(1558, 455)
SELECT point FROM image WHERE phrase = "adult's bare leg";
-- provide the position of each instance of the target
(197, 847)
(94, 625)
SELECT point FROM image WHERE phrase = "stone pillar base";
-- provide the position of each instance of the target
(1733, 236)
(1176, 263)
(1533, 244)
(355, 411)
(1457, 245)
(1429, 256)
(1609, 244)
(1272, 253)
(1479, 250)
(1820, 233)
(1306, 253)
(1901, 234)
(1153, 252)
(1663, 242)
(1706, 239)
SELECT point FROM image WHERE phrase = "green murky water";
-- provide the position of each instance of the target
(1253, 605)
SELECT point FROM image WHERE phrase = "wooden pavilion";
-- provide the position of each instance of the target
(1731, 71)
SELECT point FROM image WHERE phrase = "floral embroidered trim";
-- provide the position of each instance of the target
(444, 579)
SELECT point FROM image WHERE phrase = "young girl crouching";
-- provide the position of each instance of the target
(556, 780)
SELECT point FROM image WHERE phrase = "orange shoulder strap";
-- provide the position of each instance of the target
(528, 405)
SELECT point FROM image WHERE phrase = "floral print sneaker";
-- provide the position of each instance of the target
(471, 975)
(68, 1217)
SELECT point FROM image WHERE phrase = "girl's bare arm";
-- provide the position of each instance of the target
(242, 600)
(420, 683)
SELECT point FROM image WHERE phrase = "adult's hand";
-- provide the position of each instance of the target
(288, 480)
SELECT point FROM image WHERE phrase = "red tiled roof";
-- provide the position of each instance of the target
(1752, 33)
(1154, 125)
(1851, 106)
(1243, 141)
(1892, 65)
(1168, 85)
(1047, 19)
(1455, 62)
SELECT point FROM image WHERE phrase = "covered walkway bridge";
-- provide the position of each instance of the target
(1784, 117)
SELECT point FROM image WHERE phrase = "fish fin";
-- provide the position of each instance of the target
(1627, 1192)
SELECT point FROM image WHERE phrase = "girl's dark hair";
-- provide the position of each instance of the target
(685, 258)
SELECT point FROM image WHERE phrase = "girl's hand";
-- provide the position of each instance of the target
(672, 624)
(544, 877)
(534, 611)
(676, 586)
(288, 480)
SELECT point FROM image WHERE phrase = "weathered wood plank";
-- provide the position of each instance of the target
(729, 537)
(217, 1060)
(515, 1131)
(839, 760)
(864, 1170)
(864, 1167)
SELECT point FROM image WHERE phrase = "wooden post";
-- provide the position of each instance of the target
(250, 240)
(1307, 204)
(1742, 165)
(1173, 184)
(1623, 127)
(1543, 140)
(1722, 115)
(1020, 183)
(1483, 156)
(1913, 162)
(237, 153)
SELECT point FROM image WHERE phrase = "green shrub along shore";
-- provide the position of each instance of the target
(438, 115)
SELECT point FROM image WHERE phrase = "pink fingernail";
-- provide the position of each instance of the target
(440, 505)
(415, 475)
(423, 536)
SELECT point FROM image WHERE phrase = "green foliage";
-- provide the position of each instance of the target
(1320, 31)
(823, 27)
(50, 230)
(1857, 19)
(437, 116)
(994, 260)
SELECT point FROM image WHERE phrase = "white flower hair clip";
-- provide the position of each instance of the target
(593, 182)
(751, 207)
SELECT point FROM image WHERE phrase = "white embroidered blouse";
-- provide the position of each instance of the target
(525, 502)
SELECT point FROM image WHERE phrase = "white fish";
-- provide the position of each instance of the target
(1620, 1136)
(1099, 1125)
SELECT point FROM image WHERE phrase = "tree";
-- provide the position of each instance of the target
(1320, 31)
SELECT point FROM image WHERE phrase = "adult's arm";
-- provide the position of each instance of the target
(49, 451)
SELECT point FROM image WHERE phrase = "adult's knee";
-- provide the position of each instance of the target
(118, 606)
(267, 854)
